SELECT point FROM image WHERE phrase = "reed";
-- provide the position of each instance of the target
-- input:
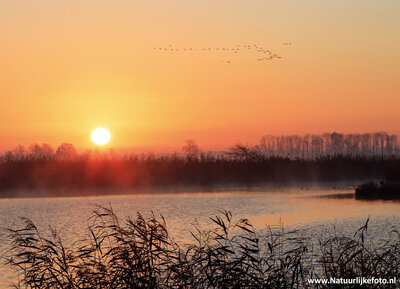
(140, 253)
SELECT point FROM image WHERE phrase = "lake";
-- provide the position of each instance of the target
(317, 211)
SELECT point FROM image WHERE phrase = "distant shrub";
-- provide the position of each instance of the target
(384, 190)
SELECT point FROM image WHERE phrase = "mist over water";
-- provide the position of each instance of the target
(315, 211)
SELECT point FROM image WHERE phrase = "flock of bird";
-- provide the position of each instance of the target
(264, 54)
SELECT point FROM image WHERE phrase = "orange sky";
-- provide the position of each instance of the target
(69, 66)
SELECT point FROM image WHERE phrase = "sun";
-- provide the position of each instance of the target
(101, 136)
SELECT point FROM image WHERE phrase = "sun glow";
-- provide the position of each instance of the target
(101, 136)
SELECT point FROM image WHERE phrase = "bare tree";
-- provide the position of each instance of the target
(310, 146)
(245, 152)
(191, 148)
(19, 152)
(66, 151)
(44, 151)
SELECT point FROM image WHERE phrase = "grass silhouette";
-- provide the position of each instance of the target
(140, 253)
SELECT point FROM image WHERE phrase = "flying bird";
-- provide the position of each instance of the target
(268, 55)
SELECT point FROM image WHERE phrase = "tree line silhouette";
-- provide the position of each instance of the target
(282, 160)
(311, 145)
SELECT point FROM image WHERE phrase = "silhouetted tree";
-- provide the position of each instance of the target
(66, 151)
(19, 152)
(311, 146)
(45, 151)
(245, 152)
(191, 149)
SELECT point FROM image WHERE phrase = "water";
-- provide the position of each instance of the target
(315, 211)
